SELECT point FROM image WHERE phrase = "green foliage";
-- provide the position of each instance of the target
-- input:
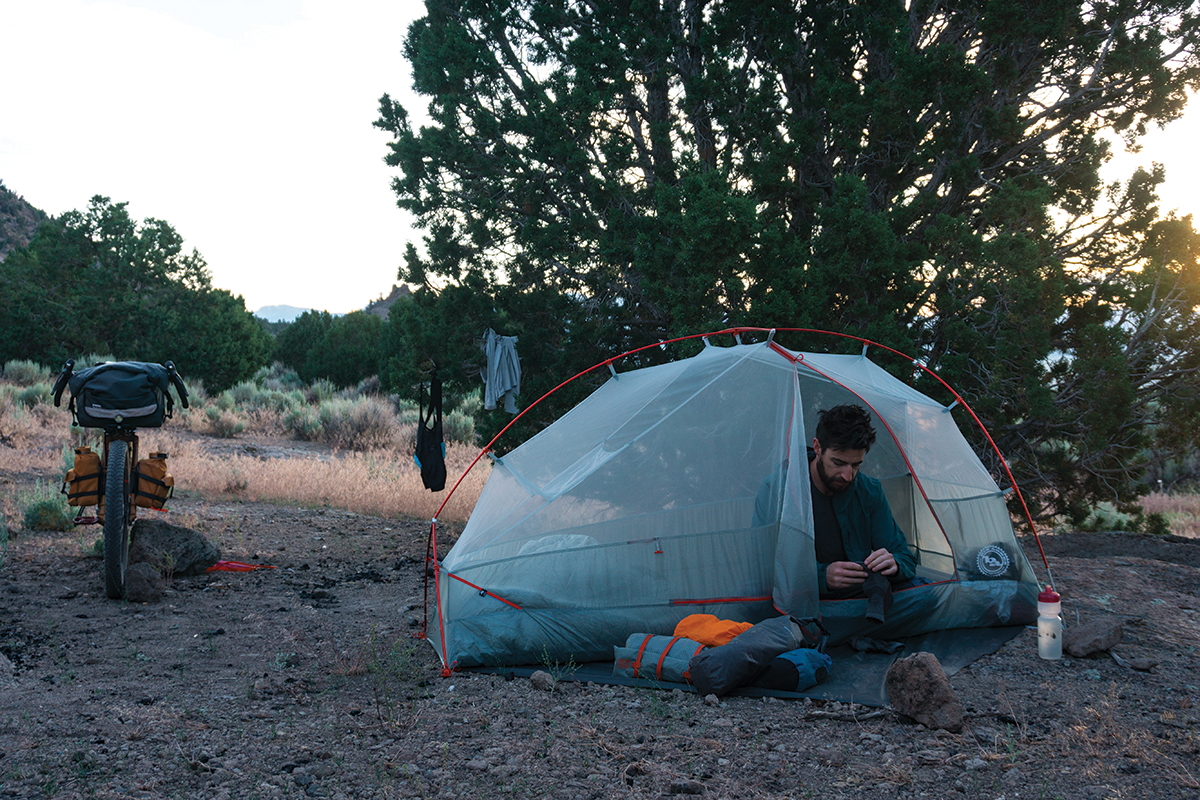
(596, 178)
(363, 423)
(304, 422)
(245, 393)
(224, 423)
(26, 373)
(273, 329)
(458, 427)
(342, 350)
(321, 390)
(26, 396)
(348, 351)
(98, 281)
(1109, 517)
(294, 342)
(43, 508)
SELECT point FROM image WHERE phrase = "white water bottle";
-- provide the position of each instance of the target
(1049, 625)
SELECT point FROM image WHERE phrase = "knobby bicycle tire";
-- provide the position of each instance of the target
(116, 518)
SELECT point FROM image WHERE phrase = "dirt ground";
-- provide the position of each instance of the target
(304, 680)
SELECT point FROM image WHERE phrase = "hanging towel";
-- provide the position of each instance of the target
(502, 377)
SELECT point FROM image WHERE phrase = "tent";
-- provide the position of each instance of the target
(674, 490)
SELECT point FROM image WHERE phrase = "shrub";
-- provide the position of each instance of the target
(304, 423)
(92, 359)
(1107, 517)
(278, 377)
(26, 373)
(223, 401)
(34, 394)
(245, 393)
(16, 423)
(224, 424)
(406, 412)
(45, 509)
(470, 403)
(197, 396)
(364, 423)
(1157, 524)
(458, 427)
(280, 402)
(368, 386)
(321, 390)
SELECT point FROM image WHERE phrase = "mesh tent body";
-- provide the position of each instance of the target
(683, 488)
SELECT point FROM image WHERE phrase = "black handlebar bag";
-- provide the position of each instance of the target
(121, 394)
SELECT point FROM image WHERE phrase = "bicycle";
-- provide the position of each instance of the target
(119, 397)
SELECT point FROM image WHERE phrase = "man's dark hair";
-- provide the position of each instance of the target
(845, 427)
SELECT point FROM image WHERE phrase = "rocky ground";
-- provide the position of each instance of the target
(304, 680)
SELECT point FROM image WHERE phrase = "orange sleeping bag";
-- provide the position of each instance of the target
(708, 630)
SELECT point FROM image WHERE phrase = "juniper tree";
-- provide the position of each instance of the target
(597, 175)
(96, 281)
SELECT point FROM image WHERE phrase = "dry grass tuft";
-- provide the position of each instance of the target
(380, 482)
(384, 482)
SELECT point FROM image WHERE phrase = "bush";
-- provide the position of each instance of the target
(34, 394)
(470, 403)
(197, 396)
(364, 423)
(223, 401)
(458, 427)
(92, 359)
(16, 423)
(1107, 517)
(224, 424)
(245, 393)
(46, 509)
(278, 377)
(407, 412)
(368, 386)
(321, 390)
(26, 373)
(304, 423)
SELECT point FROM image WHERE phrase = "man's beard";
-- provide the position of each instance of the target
(835, 485)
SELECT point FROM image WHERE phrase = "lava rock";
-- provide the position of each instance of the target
(918, 688)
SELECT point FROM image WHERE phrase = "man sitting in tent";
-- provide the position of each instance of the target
(860, 549)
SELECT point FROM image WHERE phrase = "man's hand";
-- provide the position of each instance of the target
(844, 574)
(881, 561)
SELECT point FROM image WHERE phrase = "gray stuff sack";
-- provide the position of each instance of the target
(720, 670)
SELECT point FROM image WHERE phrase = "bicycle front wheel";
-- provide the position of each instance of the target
(116, 518)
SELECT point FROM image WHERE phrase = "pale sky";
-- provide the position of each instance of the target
(246, 125)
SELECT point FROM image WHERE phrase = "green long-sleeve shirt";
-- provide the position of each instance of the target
(867, 525)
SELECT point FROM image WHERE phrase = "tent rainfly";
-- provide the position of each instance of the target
(682, 488)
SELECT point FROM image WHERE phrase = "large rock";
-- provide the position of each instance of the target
(143, 583)
(172, 550)
(1097, 636)
(918, 687)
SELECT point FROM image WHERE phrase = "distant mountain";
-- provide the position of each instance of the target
(283, 313)
(378, 307)
(18, 221)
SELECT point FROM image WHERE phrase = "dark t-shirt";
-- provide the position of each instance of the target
(827, 536)
(827, 533)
